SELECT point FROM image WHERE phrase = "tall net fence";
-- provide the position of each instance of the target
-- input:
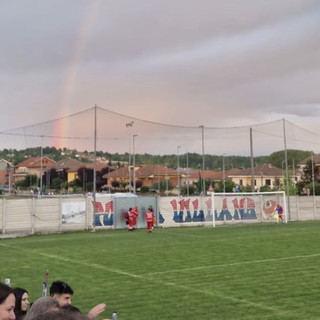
(109, 131)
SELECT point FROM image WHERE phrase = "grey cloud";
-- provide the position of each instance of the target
(205, 62)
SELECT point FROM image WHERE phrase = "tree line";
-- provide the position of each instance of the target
(192, 160)
(58, 180)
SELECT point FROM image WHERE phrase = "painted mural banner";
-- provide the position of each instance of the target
(73, 212)
(227, 208)
(110, 209)
(175, 211)
(104, 212)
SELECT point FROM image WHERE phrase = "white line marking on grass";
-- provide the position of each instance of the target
(234, 299)
(83, 263)
(188, 235)
(237, 264)
(173, 284)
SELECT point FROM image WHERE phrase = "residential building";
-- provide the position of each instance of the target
(6, 173)
(71, 166)
(264, 174)
(316, 161)
(147, 174)
(32, 166)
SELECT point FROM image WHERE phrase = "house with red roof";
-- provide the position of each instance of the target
(264, 175)
(148, 175)
(32, 166)
(6, 172)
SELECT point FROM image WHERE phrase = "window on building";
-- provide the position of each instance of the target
(268, 182)
(241, 182)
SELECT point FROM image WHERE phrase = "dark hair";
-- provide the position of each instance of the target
(60, 287)
(61, 314)
(41, 306)
(19, 292)
(5, 291)
(70, 308)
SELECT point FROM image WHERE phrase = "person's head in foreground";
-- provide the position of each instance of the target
(61, 314)
(42, 306)
(7, 302)
(62, 292)
(22, 302)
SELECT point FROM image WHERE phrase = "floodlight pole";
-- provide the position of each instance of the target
(129, 125)
(9, 177)
(187, 174)
(94, 168)
(203, 162)
(251, 161)
(134, 162)
(41, 168)
(178, 169)
(286, 162)
(313, 185)
(223, 173)
(158, 174)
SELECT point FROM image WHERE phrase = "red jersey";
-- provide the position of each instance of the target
(149, 216)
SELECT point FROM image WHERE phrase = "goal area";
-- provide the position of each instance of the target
(248, 207)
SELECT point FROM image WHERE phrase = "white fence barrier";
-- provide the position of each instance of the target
(58, 214)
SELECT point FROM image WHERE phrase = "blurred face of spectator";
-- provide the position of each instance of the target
(63, 299)
(7, 307)
(24, 302)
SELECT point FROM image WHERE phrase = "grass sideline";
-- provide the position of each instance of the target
(256, 271)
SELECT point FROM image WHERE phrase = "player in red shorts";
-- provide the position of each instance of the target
(149, 216)
(133, 216)
(130, 220)
(279, 211)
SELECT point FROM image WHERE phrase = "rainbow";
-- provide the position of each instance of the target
(61, 128)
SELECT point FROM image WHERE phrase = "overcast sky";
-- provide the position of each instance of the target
(192, 62)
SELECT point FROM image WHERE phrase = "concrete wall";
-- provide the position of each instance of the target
(26, 216)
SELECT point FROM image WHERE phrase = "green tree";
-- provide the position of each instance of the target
(144, 189)
(265, 188)
(31, 180)
(294, 157)
(293, 189)
(115, 184)
(308, 174)
(207, 184)
(316, 188)
(164, 184)
(192, 190)
(229, 186)
(56, 183)
(277, 185)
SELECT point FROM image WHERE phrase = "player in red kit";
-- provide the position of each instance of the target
(126, 216)
(149, 216)
(130, 220)
(133, 216)
(136, 214)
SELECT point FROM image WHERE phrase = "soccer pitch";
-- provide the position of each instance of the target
(257, 271)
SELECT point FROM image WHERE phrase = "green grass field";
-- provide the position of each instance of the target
(264, 271)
